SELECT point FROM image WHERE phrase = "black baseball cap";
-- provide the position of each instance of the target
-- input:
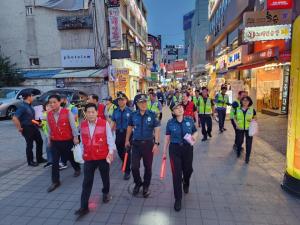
(141, 98)
(108, 98)
(174, 105)
(121, 95)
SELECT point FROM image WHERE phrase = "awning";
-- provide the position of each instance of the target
(44, 74)
(253, 65)
(91, 73)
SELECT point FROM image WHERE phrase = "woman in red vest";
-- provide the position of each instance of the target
(190, 110)
(63, 134)
(98, 149)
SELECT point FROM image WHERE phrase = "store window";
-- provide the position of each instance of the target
(29, 10)
(34, 61)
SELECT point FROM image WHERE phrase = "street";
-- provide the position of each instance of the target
(224, 191)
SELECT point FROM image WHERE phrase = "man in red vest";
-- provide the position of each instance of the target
(190, 110)
(63, 134)
(101, 107)
(98, 149)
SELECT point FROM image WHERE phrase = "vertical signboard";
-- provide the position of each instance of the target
(285, 89)
(291, 181)
(115, 27)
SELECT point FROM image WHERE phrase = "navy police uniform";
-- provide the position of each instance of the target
(181, 153)
(121, 118)
(142, 144)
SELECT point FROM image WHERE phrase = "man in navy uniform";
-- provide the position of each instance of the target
(144, 127)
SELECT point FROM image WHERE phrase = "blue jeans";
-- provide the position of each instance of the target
(48, 149)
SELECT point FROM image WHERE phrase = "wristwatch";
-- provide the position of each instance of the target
(157, 143)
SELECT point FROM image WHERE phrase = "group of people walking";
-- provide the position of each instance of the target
(134, 132)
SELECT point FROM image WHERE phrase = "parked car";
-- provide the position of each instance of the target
(11, 98)
(74, 96)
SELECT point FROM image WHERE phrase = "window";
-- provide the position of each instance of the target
(34, 61)
(29, 10)
(124, 11)
(132, 20)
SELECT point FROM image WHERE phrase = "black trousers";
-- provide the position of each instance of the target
(181, 158)
(120, 144)
(206, 125)
(241, 134)
(234, 127)
(222, 117)
(142, 150)
(89, 172)
(31, 134)
(62, 148)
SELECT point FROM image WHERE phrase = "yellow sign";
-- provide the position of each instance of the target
(293, 145)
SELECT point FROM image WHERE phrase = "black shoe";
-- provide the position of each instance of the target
(33, 164)
(209, 135)
(204, 139)
(177, 205)
(136, 189)
(220, 131)
(82, 211)
(146, 192)
(53, 187)
(76, 173)
(185, 188)
(224, 129)
(47, 165)
(126, 176)
(106, 198)
(238, 154)
(247, 161)
(42, 160)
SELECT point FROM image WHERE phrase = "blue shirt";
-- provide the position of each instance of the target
(121, 118)
(143, 125)
(25, 113)
(178, 130)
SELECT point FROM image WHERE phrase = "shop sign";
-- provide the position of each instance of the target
(267, 18)
(77, 58)
(221, 64)
(279, 4)
(236, 57)
(285, 89)
(263, 55)
(266, 33)
(285, 56)
(115, 27)
(122, 71)
(113, 3)
(74, 22)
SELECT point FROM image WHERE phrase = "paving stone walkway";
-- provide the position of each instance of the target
(224, 191)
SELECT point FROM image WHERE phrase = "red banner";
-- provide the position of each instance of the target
(279, 4)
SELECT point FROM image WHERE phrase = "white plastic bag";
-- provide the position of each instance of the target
(253, 129)
(77, 152)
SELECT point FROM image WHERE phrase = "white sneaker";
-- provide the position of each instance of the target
(62, 166)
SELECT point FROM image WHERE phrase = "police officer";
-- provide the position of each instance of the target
(206, 110)
(180, 151)
(154, 105)
(243, 117)
(120, 119)
(222, 100)
(236, 104)
(23, 121)
(144, 127)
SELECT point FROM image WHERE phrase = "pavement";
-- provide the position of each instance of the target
(224, 191)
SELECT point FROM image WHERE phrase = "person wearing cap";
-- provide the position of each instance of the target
(236, 104)
(206, 111)
(22, 119)
(190, 110)
(98, 150)
(120, 119)
(144, 127)
(138, 92)
(101, 107)
(154, 105)
(222, 101)
(180, 150)
(243, 117)
(160, 96)
(109, 108)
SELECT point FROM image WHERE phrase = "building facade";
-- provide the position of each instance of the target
(56, 36)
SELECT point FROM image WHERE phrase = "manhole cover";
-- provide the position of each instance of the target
(156, 187)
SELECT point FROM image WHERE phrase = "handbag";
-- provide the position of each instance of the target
(77, 152)
(253, 129)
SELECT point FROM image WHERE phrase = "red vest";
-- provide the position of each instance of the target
(96, 147)
(101, 109)
(189, 110)
(60, 131)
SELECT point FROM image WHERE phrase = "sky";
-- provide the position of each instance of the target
(165, 17)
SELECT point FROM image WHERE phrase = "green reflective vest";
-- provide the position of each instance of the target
(243, 120)
(153, 107)
(111, 110)
(205, 108)
(195, 100)
(45, 128)
(222, 101)
(70, 107)
(233, 110)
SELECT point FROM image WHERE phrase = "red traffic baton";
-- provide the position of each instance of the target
(163, 168)
(125, 160)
